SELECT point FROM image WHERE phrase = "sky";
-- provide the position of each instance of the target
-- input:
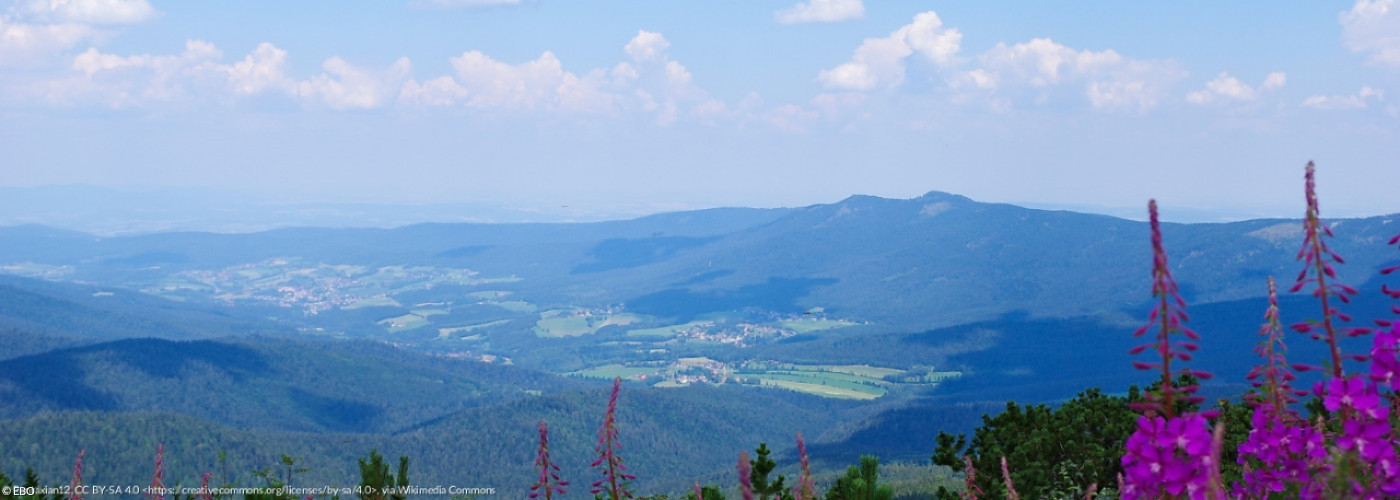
(1212, 108)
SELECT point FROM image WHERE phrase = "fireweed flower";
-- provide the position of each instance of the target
(1385, 289)
(549, 482)
(157, 484)
(1366, 435)
(1319, 266)
(1384, 363)
(745, 482)
(615, 474)
(77, 483)
(1168, 456)
(1281, 450)
(806, 488)
(204, 493)
(1168, 317)
(1286, 451)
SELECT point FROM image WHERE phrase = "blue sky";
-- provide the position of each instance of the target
(1210, 107)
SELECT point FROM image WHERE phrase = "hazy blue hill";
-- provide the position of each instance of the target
(23, 343)
(942, 259)
(935, 260)
(77, 310)
(260, 382)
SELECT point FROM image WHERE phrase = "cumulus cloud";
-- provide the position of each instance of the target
(28, 43)
(88, 11)
(1109, 80)
(33, 31)
(1360, 100)
(483, 82)
(1226, 88)
(649, 81)
(196, 75)
(879, 62)
(821, 11)
(1373, 27)
(647, 46)
(345, 86)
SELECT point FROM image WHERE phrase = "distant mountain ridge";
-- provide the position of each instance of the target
(936, 260)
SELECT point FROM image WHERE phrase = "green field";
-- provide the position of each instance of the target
(874, 372)
(404, 323)
(519, 306)
(568, 326)
(666, 331)
(824, 380)
(615, 370)
(488, 294)
(447, 332)
(821, 390)
(812, 325)
(372, 302)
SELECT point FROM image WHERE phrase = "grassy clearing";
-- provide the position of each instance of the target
(447, 332)
(936, 377)
(831, 377)
(666, 331)
(812, 325)
(404, 323)
(825, 380)
(372, 302)
(488, 294)
(874, 372)
(615, 370)
(428, 312)
(518, 306)
(569, 326)
(820, 390)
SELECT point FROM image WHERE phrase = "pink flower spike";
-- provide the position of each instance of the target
(745, 483)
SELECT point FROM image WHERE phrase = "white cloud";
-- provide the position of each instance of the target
(344, 86)
(1360, 100)
(30, 43)
(647, 46)
(196, 75)
(262, 69)
(89, 11)
(879, 62)
(821, 11)
(1034, 69)
(1226, 88)
(1373, 27)
(33, 31)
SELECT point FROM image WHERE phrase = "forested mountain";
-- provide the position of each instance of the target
(669, 437)
(264, 383)
(936, 260)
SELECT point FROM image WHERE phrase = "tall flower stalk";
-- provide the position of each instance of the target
(77, 483)
(549, 482)
(1168, 454)
(615, 476)
(806, 488)
(1319, 270)
(1166, 319)
(1282, 453)
(745, 482)
(157, 482)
